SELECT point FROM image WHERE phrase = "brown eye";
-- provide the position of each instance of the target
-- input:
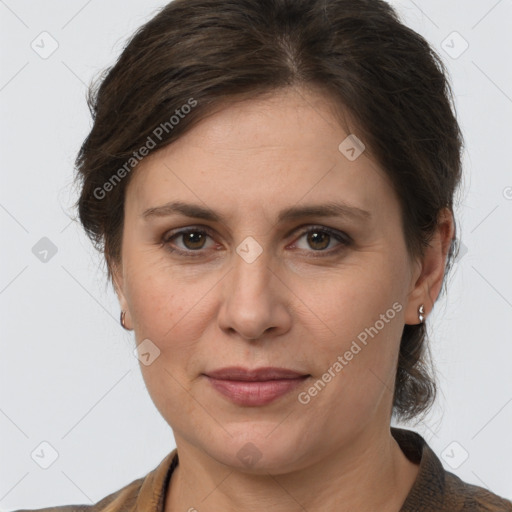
(186, 242)
(193, 240)
(318, 240)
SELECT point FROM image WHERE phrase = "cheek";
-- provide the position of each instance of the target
(343, 303)
(356, 363)
(361, 317)
(168, 313)
(173, 312)
(163, 303)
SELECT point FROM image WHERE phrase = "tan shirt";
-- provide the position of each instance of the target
(434, 490)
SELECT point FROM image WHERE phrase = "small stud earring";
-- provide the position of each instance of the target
(421, 311)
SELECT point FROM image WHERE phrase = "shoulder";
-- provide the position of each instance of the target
(146, 493)
(438, 489)
(474, 497)
(124, 499)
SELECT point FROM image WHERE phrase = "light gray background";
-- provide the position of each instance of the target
(68, 374)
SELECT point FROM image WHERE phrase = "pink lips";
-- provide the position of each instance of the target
(254, 387)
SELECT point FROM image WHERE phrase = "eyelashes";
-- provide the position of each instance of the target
(314, 235)
(167, 241)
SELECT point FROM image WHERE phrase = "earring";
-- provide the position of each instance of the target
(421, 311)
(121, 320)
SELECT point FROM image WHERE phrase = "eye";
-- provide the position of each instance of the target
(320, 238)
(193, 240)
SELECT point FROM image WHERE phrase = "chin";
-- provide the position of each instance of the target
(258, 453)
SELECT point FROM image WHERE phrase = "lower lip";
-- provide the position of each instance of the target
(254, 393)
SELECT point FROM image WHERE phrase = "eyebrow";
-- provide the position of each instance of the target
(329, 209)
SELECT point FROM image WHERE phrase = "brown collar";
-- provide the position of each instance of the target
(433, 489)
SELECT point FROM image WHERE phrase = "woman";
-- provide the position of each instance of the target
(272, 182)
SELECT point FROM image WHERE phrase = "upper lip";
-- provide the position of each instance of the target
(256, 374)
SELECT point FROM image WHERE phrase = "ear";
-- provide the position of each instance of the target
(118, 283)
(428, 280)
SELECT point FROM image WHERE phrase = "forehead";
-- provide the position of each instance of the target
(272, 150)
(291, 117)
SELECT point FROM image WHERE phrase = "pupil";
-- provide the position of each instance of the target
(314, 238)
(189, 240)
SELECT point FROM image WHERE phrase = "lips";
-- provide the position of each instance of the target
(254, 387)
(258, 374)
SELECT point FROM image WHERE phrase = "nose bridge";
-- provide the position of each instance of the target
(251, 274)
(251, 303)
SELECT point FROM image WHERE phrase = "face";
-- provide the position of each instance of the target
(323, 293)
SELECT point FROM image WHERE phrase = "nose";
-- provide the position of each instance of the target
(255, 300)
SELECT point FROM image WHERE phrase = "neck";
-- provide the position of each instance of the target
(370, 474)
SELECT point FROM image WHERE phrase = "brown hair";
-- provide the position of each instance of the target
(202, 53)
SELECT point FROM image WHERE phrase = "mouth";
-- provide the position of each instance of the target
(256, 387)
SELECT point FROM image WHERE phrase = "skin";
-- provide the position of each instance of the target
(288, 308)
